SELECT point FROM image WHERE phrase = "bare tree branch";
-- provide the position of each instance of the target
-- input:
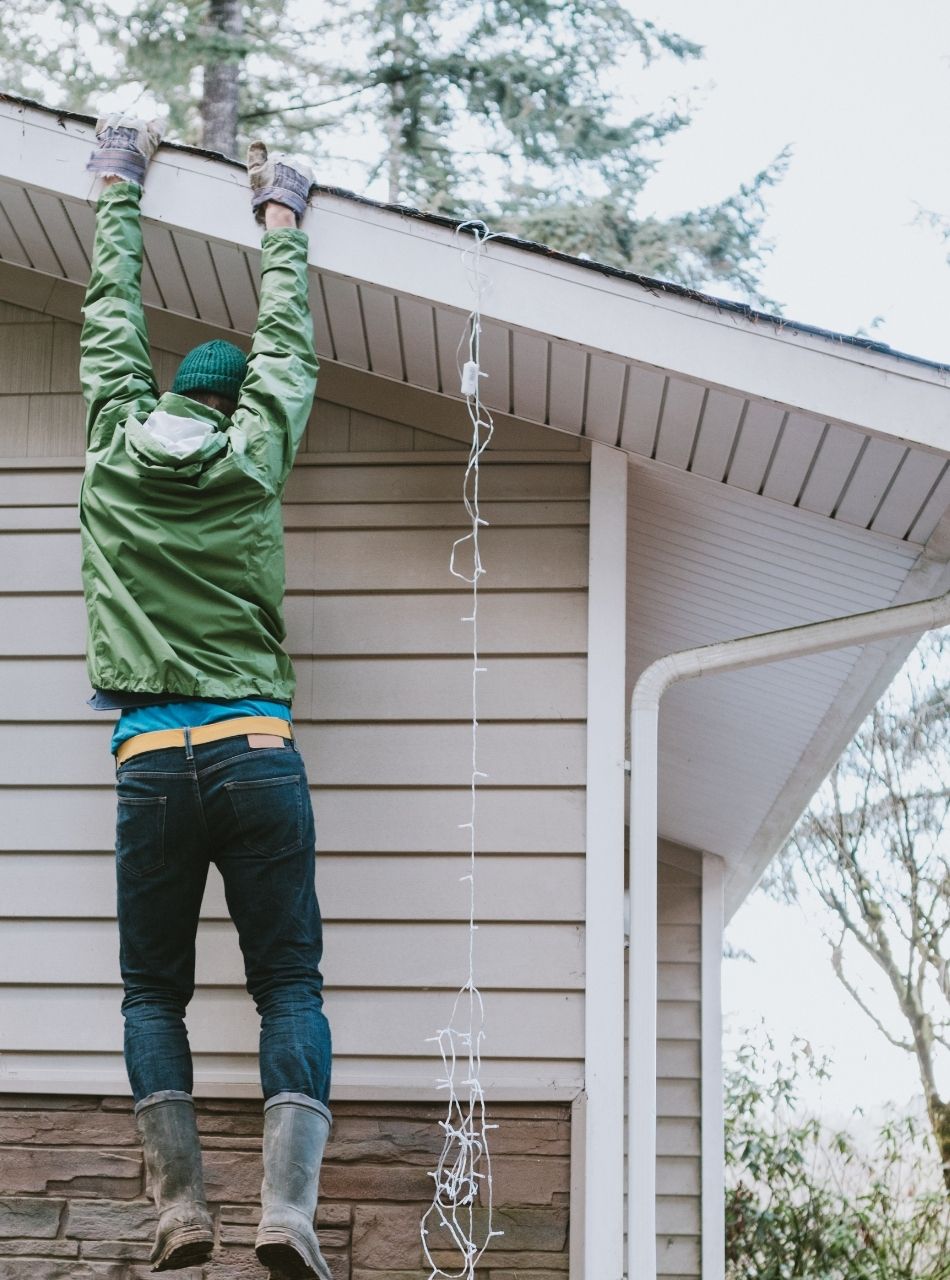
(838, 966)
(871, 846)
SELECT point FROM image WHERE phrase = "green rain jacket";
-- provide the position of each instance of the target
(183, 558)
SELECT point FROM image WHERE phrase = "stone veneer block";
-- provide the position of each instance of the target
(33, 1218)
(111, 1220)
(70, 1169)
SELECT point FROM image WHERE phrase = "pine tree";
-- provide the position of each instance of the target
(511, 109)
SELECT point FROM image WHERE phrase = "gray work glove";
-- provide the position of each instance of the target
(284, 179)
(125, 146)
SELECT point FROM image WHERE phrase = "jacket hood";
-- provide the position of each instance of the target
(148, 450)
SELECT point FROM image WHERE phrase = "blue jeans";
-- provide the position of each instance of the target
(247, 809)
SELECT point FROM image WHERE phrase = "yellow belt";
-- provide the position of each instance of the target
(271, 725)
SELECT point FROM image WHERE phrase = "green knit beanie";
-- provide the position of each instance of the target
(214, 366)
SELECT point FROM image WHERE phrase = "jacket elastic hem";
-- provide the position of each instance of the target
(101, 682)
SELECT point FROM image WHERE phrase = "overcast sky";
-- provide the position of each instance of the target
(860, 90)
(861, 93)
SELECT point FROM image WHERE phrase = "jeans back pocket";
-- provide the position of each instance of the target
(269, 814)
(140, 834)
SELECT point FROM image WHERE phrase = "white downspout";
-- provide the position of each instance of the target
(730, 655)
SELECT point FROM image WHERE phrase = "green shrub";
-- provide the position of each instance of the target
(806, 1202)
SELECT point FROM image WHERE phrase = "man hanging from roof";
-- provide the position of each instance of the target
(183, 571)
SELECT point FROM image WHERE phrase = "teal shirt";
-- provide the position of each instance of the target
(179, 715)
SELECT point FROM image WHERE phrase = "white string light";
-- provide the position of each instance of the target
(463, 1173)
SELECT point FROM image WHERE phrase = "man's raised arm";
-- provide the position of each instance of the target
(277, 391)
(115, 367)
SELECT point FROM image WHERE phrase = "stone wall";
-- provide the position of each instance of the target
(73, 1203)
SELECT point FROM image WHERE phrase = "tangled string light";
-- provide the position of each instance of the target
(462, 1176)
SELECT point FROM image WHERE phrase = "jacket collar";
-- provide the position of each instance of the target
(184, 407)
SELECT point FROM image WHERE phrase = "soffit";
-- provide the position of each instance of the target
(742, 753)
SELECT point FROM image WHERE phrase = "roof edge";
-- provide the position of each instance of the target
(648, 283)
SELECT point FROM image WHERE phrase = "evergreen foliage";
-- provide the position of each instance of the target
(512, 110)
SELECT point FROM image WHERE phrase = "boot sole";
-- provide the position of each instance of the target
(286, 1254)
(189, 1247)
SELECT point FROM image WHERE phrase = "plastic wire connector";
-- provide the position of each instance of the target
(470, 375)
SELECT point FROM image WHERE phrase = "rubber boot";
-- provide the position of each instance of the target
(296, 1129)
(169, 1132)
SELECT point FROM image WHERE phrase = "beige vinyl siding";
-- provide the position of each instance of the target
(678, 1126)
(678, 1163)
(374, 625)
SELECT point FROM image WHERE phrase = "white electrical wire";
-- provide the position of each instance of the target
(463, 1180)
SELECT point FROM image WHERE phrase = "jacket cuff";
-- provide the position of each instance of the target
(122, 192)
(293, 234)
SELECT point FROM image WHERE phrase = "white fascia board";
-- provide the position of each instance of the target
(805, 372)
(605, 862)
